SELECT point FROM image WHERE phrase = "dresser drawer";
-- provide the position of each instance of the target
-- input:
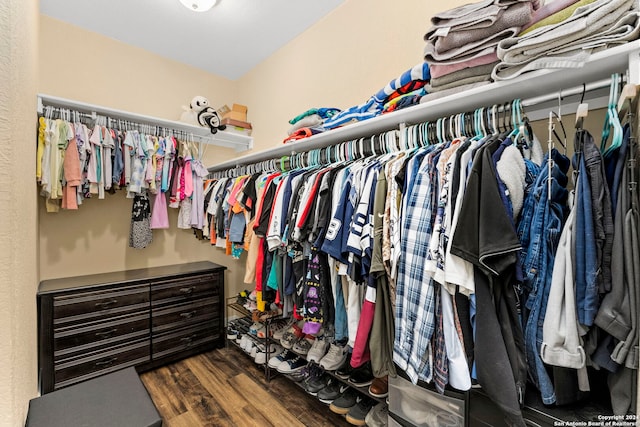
(92, 336)
(184, 289)
(85, 306)
(186, 314)
(190, 339)
(101, 362)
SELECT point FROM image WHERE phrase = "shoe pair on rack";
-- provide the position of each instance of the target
(261, 354)
(359, 377)
(354, 405)
(336, 356)
(287, 362)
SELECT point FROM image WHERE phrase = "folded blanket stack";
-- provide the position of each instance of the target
(564, 33)
(462, 43)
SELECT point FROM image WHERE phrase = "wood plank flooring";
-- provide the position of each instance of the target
(225, 388)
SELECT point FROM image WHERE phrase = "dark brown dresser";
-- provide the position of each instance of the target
(93, 325)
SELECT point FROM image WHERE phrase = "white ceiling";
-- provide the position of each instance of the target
(228, 40)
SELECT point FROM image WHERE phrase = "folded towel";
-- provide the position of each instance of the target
(439, 70)
(446, 92)
(574, 54)
(558, 17)
(515, 16)
(585, 21)
(471, 16)
(479, 71)
(473, 79)
(306, 122)
(547, 10)
(408, 88)
(418, 72)
(469, 51)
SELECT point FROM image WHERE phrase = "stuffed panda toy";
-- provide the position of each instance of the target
(201, 113)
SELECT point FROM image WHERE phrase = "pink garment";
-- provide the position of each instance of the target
(159, 215)
(239, 185)
(439, 70)
(548, 10)
(72, 176)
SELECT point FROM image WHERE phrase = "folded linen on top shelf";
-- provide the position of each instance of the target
(546, 11)
(568, 43)
(464, 76)
(431, 96)
(439, 70)
(471, 16)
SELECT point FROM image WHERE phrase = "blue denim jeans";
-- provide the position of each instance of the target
(545, 213)
(586, 259)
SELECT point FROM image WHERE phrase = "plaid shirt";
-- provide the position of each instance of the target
(415, 302)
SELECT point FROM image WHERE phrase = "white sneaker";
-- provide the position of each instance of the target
(334, 358)
(279, 332)
(243, 341)
(318, 350)
(261, 355)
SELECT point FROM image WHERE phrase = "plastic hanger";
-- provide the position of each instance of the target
(583, 110)
(612, 120)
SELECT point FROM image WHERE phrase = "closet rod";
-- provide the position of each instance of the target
(577, 90)
(223, 139)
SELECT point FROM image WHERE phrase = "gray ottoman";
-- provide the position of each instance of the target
(114, 400)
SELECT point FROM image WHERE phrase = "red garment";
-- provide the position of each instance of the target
(361, 353)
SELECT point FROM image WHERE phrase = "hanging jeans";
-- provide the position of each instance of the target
(544, 211)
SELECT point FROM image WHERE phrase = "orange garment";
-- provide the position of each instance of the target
(72, 175)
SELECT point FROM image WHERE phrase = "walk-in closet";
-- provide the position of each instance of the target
(299, 213)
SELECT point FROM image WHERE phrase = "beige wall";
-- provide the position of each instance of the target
(339, 62)
(18, 227)
(106, 72)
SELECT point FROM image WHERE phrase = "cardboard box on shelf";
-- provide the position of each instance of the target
(237, 126)
(238, 112)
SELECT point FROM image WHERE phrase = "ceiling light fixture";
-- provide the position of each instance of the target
(198, 5)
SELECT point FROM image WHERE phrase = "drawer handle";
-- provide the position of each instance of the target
(106, 334)
(188, 314)
(105, 304)
(188, 291)
(107, 362)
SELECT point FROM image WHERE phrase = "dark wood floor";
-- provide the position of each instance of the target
(225, 388)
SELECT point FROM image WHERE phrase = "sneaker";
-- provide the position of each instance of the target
(293, 334)
(254, 350)
(243, 341)
(378, 416)
(344, 370)
(345, 401)
(232, 332)
(335, 357)
(249, 346)
(301, 375)
(292, 365)
(316, 383)
(379, 387)
(255, 327)
(318, 350)
(361, 376)
(302, 346)
(261, 356)
(282, 328)
(331, 392)
(275, 361)
(359, 411)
